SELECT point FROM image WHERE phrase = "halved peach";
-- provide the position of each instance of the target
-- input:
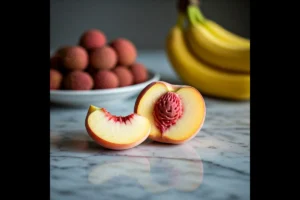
(176, 112)
(116, 132)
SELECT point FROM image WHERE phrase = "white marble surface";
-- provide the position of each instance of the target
(215, 165)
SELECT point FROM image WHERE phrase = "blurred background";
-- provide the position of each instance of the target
(145, 22)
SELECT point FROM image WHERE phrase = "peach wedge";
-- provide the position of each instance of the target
(176, 112)
(116, 132)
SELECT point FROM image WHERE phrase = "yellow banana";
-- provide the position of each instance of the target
(213, 50)
(208, 80)
(226, 35)
(221, 32)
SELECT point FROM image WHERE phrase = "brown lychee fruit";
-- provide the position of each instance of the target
(103, 58)
(73, 57)
(55, 79)
(126, 51)
(140, 72)
(92, 38)
(124, 75)
(78, 80)
(105, 79)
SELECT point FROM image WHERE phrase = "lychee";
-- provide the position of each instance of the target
(124, 75)
(55, 79)
(139, 71)
(78, 80)
(73, 57)
(126, 51)
(92, 38)
(103, 58)
(105, 79)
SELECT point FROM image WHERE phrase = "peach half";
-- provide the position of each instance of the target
(116, 132)
(176, 112)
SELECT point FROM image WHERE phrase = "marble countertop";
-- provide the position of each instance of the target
(215, 165)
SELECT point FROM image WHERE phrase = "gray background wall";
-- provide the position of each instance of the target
(145, 22)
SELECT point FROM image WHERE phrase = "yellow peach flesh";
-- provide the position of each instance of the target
(192, 118)
(117, 132)
(190, 122)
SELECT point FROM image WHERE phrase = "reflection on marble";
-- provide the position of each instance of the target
(215, 165)
(155, 175)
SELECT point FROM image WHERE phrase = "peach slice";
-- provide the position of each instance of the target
(176, 112)
(116, 132)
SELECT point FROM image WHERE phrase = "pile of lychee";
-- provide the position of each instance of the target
(95, 64)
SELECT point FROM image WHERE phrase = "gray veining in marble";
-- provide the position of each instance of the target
(215, 165)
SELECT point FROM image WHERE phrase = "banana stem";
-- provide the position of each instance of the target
(194, 15)
(191, 15)
(199, 15)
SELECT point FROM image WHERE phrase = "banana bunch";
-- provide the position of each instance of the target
(208, 57)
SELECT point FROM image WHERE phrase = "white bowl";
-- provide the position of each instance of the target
(100, 98)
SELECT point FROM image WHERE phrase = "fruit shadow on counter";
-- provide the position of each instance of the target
(79, 141)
